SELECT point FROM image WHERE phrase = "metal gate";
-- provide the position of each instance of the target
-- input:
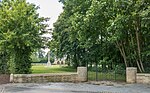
(106, 73)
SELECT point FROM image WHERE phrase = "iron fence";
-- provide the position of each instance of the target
(97, 73)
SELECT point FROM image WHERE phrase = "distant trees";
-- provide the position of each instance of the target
(39, 56)
(20, 33)
(104, 31)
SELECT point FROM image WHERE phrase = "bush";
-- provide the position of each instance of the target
(120, 69)
(3, 63)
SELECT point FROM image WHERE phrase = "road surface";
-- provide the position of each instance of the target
(73, 88)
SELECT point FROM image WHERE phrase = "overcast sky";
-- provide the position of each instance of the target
(48, 8)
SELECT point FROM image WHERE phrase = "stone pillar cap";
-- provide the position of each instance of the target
(81, 67)
(131, 68)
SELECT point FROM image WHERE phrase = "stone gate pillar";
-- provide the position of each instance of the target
(131, 74)
(82, 74)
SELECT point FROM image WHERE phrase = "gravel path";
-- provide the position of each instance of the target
(74, 88)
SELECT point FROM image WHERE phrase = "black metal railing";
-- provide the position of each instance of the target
(107, 74)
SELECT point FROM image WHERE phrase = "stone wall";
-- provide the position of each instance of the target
(4, 78)
(143, 78)
(80, 76)
(41, 78)
(133, 77)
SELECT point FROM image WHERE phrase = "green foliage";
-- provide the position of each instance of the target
(120, 69)
(3, 63)
(90, 30)
(38, 56)
(20, 30)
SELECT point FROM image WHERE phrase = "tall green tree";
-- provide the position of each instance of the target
(65, 33)
(128, 30)
(20, 32)
(116, 31)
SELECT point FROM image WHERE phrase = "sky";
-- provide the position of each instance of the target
(48, 8)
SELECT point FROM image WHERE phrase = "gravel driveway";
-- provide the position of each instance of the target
(74, 88)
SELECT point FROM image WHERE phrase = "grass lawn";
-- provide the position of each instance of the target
(53, 69)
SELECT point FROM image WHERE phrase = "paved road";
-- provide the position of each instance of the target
(74, 88)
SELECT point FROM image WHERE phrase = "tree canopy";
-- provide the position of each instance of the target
(20, 33)
(105, 32)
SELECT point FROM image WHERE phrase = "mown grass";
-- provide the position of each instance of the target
(52, 69)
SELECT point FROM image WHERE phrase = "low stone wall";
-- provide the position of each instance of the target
(143, 78)
(41, 78)
(133, 77)
(80, 76)
(4, 78)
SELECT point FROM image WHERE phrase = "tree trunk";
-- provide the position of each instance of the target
(121, 49)
(134, 51)
(138, 41)
(139, 51)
